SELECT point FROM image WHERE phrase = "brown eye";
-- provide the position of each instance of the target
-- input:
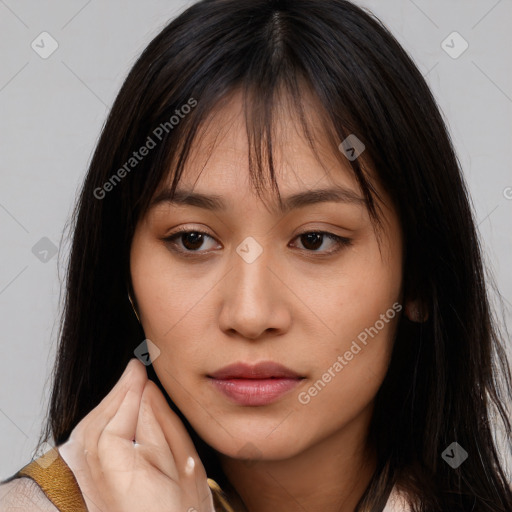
(188, 241)
(192, 240)
(313, 240)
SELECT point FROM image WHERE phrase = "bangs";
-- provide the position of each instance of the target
(291, 98)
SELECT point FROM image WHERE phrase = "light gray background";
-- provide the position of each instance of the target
(52, 111)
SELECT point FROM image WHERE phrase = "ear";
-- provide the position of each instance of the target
(416, 311)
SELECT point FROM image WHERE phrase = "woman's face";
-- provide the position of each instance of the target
(253, 289)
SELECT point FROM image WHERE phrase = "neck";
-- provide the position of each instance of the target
(330, 475)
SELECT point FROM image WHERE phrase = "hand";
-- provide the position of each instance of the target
(161, 471)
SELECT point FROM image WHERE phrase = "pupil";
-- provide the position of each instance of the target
(195, 238)
(312, 239)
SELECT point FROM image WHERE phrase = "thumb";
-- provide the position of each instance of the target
(150, 439)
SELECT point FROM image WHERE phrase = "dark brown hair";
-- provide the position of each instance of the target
(449, 375)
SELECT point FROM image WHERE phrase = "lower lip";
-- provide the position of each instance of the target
(254, 391)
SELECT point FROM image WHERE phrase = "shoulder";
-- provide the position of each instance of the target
(397, 502)
(24, 494)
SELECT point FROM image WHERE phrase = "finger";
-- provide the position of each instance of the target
(151, 441)
(175, 434)
(134, 374)
(111, 402)
(123, 423)
(81, 449)
(192, 475)
(114, 446)
(128, 388)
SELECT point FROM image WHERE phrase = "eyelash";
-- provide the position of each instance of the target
(340, 241)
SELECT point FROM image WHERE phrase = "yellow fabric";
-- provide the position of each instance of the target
(56, 480)
(219, 498)
(59, 484)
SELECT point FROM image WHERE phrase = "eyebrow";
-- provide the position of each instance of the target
(215, 203)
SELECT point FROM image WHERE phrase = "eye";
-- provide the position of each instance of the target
(187, 241)
(313, 240)
(191, 240)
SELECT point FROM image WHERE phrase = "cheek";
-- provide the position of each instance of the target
(357, 292)
(360, 305)
(349, 368)
(168, 315)
(168, 293)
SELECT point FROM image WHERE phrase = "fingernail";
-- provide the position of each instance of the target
(189, 467)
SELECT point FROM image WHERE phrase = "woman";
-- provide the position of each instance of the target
(274, 216)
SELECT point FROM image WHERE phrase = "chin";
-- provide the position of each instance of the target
(253, 447)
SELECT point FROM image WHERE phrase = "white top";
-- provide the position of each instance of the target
(24, 494)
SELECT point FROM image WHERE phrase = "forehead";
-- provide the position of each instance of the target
(218, 162)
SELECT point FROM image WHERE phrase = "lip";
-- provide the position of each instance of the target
(254, 385)
(261, 370)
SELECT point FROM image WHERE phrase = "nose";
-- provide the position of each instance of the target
(254, 299)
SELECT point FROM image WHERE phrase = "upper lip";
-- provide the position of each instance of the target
(261, 370)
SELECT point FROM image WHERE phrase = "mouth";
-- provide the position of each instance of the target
(254, 385)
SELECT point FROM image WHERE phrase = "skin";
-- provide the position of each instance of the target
(117, 475)
(288, 305)
(291, 305)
